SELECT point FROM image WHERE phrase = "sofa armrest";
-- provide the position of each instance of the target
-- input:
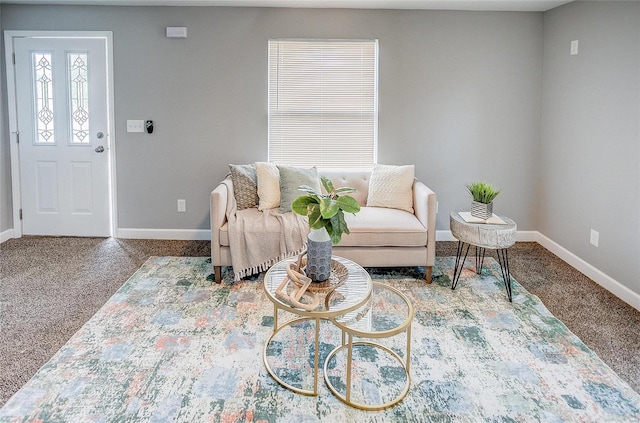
(219, 197)
(424, 206)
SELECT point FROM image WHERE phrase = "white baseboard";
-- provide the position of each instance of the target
(179, 234)
(444, 236)
(527, 236)
(6, 235)
(593, 273)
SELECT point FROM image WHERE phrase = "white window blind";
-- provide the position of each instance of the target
(323, 102)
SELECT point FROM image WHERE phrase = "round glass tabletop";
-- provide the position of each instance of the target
(387, 313)
(346, 297)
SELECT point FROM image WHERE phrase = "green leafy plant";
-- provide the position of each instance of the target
(326, 210)
(482, 192)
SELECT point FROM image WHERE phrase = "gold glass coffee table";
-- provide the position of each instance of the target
(291, 354)
(373, 376)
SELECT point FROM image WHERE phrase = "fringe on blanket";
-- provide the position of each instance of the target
(237, 276)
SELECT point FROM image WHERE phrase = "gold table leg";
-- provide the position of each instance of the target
(314, 391)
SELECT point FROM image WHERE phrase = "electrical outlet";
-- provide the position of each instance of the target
(182, 206)
(594, 239)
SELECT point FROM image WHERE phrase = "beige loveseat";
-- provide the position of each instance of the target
(380, 237)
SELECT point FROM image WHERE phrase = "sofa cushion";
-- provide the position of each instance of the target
(268, 185)
(378, 227)
(290, 179)
(371, 227)
(391, 186)
(245, 185)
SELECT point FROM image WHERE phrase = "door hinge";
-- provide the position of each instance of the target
(13, 56)
(17, 138)
(20, 214)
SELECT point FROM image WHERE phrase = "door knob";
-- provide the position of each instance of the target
(99, 149)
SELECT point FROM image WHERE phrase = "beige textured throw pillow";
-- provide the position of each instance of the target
(391, 186)
(268, 185)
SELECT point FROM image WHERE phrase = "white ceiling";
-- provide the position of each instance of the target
(485, 5)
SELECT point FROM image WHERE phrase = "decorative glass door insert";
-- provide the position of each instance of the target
(43, 93)
(79, 97)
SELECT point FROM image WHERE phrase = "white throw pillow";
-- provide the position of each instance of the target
(268, 185)
(391, 187)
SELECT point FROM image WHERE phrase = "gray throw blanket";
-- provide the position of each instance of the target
(259, 239)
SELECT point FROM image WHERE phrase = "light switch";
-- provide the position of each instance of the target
(135, 126)
(574, 47)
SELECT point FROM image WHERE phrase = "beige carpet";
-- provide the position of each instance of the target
(51, 286)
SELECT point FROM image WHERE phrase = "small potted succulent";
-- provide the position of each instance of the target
(326, 221)
(483, 194)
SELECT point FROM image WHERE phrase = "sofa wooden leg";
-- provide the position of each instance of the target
(217, 270)
(428, 272)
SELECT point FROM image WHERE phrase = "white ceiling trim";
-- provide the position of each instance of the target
(479, 5)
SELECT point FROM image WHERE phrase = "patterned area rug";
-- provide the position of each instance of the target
(171, 345)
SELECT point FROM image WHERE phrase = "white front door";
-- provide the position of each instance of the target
(63, 121)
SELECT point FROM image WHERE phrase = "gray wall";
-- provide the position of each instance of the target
(590, 136)
(459, 97)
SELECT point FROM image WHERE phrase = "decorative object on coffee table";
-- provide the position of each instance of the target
(483, 194)
(302, 286)
(326, 216)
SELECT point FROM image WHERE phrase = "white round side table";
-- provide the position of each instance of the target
(483, 236)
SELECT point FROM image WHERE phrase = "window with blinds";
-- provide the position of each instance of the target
(323, 102)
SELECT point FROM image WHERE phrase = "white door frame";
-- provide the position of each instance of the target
(16, 188)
